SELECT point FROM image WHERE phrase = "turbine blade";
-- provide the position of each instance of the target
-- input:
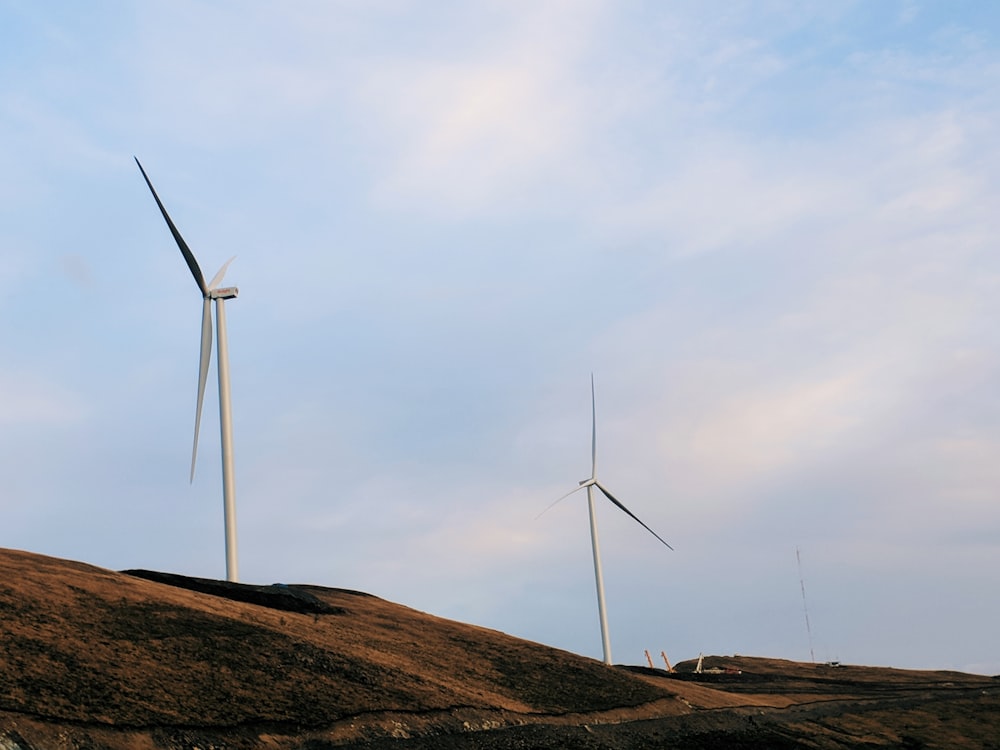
(217, 279)
(559, 500)
(206, 357)
(593, 429)
(633, 515)
(185, 250)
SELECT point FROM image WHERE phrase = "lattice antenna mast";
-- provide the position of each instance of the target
(805, 608)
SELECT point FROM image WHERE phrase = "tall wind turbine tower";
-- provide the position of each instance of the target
(590, 484)
(211, 292)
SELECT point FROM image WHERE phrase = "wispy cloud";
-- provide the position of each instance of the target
(30, 402)
(470, 134)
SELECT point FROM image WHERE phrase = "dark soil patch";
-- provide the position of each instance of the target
(276, 596)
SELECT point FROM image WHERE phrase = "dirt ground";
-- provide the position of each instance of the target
(92, 658)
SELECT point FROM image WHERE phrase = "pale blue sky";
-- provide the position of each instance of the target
(768, 228)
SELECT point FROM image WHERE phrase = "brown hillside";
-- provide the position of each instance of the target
(91, 658)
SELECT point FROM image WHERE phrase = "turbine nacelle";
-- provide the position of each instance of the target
(226, 292)
(592, 480)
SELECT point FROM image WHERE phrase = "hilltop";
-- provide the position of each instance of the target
(93, 658)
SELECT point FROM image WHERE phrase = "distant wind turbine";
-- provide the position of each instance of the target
(212, 292)
(590, 484)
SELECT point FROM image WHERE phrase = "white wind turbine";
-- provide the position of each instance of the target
(590, 484)
(211, 292)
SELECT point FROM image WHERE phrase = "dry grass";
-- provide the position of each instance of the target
(94, 658)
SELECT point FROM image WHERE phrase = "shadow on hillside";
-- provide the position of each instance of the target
(275, 596)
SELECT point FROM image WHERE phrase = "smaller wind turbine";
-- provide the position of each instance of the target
(590, 484)
(212, 292)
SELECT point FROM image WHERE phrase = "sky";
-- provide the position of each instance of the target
(769, 229)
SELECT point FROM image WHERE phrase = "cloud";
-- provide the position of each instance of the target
(756, 434)
(76, 268)
(229, 94)
(31, 402)
(466, 134)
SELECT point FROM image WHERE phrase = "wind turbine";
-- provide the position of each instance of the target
(590, 484)
(212, 292)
